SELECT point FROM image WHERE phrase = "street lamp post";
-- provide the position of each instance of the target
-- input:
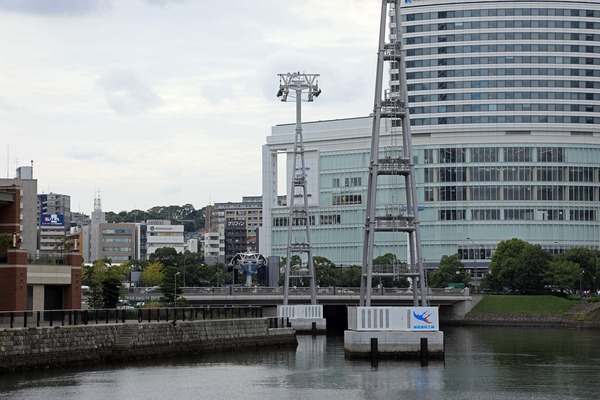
(475, 258)
(184, 269)
(175, 292)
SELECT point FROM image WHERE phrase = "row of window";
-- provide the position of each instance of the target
(505, 107)
(324, 219)
(528, 59)
(116, 249)
(507, 24)
(117, 240)
(501, 12)
(492, 72)
(117, 231)
(347, 199)
(347, 182)
(503, 36)
(516, 215)
(475, 253)
(503, 48)
(500, 119)
(516, 83)
(519, 95)
(510, 193)
(510, 174)
(491, 154)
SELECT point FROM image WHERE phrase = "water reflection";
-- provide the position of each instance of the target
(481, 363)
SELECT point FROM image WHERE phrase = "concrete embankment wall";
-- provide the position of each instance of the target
(50, 347)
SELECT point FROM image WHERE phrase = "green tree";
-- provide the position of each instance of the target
(562, 274)
(153, 274)
(450, 270)
(111, 289)
(5, 243)
(325, 274)
(94, 276)
(167, 256)
(589, 262)
(105, 282)
(389, 263)
(519, 265)
(172, 274)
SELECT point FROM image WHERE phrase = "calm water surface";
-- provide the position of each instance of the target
(481, 363)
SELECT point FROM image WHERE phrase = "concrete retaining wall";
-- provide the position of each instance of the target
(49, 347)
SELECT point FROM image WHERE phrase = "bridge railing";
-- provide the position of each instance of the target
(300, 290)
(38, 318)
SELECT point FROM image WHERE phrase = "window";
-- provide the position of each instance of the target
(453, 193)
(452, 155)
(581, 174)
(485, 193)
(330, 219)
(484, 154)
(352, 181)
(550, 154)
(452, 215)
(517, 154)
(346, 199)
(485, 215)
(518, 214)
(280, 221)
(582, 215)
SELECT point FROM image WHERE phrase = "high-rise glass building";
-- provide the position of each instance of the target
(505, 115)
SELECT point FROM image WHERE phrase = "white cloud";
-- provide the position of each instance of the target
(5, 104)
(71, 8)
(127, 94)
(158, 102)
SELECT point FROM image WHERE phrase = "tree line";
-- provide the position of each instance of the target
(192, 219)
(516, 266)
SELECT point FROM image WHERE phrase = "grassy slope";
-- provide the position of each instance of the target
(515, 304)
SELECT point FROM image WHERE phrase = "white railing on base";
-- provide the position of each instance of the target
(300, 311)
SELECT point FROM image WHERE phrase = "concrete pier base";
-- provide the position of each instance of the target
(308, 326)
(402, 345)
(304, 318)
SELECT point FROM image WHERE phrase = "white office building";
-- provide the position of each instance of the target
(160, 233)
(505, 115)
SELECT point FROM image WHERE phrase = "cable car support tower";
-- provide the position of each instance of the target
(297, 195)
(395, 162)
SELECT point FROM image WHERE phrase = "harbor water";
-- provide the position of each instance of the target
(481, 363)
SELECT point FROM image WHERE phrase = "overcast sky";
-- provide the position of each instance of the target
(168, 102)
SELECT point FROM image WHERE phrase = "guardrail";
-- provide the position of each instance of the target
(24, 319)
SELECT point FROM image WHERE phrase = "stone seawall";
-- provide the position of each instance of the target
(50, 347)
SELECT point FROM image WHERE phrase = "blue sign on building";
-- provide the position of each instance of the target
(52, 220)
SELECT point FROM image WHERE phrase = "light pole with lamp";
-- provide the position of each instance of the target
(175, 292)
(184, 258)
(475, 258)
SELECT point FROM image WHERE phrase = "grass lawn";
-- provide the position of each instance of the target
(516, 304)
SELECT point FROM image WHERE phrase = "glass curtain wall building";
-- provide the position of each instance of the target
(505, 117)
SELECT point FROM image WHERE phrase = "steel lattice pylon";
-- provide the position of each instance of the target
(396, 161)
(298, 215)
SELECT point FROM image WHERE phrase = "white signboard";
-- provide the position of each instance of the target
(423, 319)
